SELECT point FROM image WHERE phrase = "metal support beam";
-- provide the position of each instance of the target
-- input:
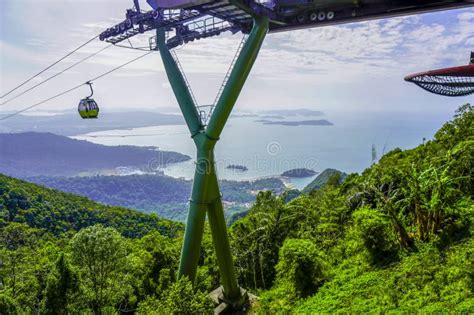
(237, 77)
(205, 196)
(178, 84)
(220, 239)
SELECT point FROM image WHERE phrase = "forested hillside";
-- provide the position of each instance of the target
(323, 178)
(58, 213)
(164, 195)
(396, 238)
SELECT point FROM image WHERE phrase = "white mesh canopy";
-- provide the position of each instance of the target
(457, 81)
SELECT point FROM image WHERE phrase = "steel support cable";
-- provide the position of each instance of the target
(56, 74)
(50, 66)
(121, 66)
(75, 88)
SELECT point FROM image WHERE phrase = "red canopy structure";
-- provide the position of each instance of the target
(454, 81)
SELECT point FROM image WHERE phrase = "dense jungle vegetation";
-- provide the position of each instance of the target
(395, 239)
(164, 195)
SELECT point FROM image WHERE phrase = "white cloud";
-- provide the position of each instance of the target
(466, 16)
(330, 66)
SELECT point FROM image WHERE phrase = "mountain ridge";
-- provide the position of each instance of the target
(33, 154)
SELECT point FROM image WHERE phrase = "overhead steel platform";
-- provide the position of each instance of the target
(191, 20)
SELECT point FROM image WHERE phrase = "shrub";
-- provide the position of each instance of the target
(299, 269)
(373, 228)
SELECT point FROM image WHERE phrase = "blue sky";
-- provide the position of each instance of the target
(354, 68)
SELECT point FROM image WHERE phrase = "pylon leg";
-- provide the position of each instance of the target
(198, 206)
(237, 78)
(205, 194)
(178, 84)
(220, 239)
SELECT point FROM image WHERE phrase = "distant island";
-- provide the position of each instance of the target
(272, 117)
(243, 115)
(318, 122)
(299, 173)
(293, 112)
(237, 167)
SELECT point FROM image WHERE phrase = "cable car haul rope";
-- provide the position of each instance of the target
(55, 75)
(50, 66)
(89, 82)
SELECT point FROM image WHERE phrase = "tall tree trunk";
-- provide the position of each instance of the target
(405, 239)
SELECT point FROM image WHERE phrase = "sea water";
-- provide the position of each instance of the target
(269, 150)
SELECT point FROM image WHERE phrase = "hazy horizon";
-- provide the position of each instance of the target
(350, 67)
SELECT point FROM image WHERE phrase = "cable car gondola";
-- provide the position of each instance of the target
(88, 108)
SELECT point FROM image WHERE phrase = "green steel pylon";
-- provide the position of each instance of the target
(205, 195)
